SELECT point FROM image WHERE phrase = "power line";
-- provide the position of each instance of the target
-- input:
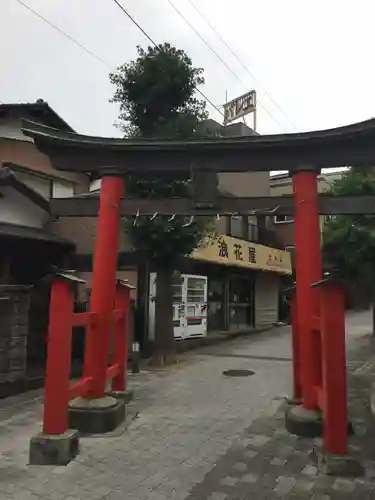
(56, 28)
(238, 59)
(88, 51)
(134, 22)
(219, 57)
(204, 41)
(102, 61)
(125, 11)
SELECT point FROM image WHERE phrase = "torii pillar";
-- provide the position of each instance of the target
(98, 412)
(307, 241)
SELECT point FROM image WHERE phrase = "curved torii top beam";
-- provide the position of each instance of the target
(350, 145)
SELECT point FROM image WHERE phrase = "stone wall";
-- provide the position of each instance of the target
(14, 327)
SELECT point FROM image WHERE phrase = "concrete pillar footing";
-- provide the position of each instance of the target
(339, 465)
(126, 396)
(306, 423)
(293, 401)
(96, 415)
(303, 423)
(60, 449)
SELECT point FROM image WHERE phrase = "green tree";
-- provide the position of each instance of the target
(349, 240)
(156, 94)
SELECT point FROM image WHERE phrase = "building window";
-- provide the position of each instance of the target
(252, 228)
(282, 219)
(253, 233)
(235, 226)
(243, 227)
(46, 187)
(62, 189)
(328, 218)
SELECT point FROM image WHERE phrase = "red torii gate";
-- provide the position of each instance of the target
(318, 327)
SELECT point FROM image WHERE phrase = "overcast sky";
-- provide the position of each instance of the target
(314, 58)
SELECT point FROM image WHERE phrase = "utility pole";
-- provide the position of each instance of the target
(225, 123)
(255, 112)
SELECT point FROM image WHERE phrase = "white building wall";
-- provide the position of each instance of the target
(95, 185)
(41, 185)
(16, 209)
(10, 127)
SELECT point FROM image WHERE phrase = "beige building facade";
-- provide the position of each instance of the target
(283, 225)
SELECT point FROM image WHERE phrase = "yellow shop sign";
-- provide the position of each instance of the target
(235, 252)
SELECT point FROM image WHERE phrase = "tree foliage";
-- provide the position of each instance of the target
(156, 94)
(349, 240)
(165, 239)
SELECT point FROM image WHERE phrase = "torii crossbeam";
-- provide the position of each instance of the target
(88, 206)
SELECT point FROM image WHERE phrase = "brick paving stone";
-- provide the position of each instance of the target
(240, 466)
(217, 495)
(323, 482)
(286, 451)
(284, 485)
(304, 485)
(344, 485)
(296, 463)
(256, 441)
(309, 470)
(56, 495)
(267, 480)
(249, 478)
(250, 454)
(229, 481)
(25, 495)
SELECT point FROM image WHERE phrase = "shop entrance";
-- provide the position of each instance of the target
(216, 304)
(241, 302)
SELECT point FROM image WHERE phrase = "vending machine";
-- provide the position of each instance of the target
(189, 304)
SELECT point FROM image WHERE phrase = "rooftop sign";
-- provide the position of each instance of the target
(239, 107)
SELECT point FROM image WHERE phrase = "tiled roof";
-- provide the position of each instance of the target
(40, 107)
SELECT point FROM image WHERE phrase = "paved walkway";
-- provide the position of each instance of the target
(192, 434)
